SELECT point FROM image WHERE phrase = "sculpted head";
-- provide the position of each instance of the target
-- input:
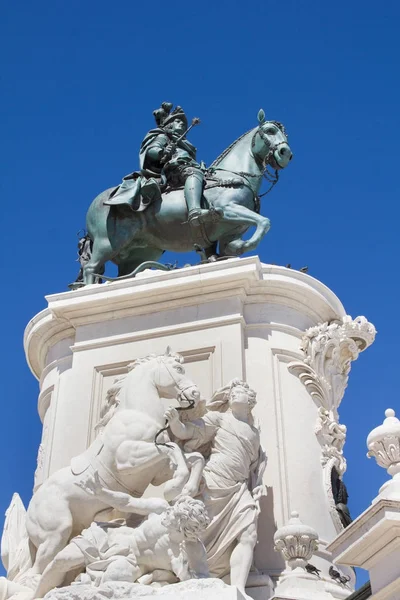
(187, 516)
(241, 393)
(172, 382)
(237, 395)
(173, 121)
(176, 127)
(270, 143)
(169, 377)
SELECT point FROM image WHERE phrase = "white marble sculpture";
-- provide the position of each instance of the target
(208, 450)
(232, 477)
(125, 456)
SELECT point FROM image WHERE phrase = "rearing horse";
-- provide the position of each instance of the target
(124, 455)
(233, 182)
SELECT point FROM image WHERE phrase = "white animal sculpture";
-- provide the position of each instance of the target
(124, 455)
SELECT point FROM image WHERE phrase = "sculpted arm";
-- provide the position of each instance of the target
(183, 431)
(157, 149)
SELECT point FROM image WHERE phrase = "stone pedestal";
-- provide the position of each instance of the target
(194, 589)
(373, 540)
(235, 318)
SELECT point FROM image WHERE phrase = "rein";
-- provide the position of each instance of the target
(272, 178)
(178, 408)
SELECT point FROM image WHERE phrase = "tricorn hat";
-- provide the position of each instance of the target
(164, 116)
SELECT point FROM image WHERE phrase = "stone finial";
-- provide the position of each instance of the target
(296, 541)
(384, 445)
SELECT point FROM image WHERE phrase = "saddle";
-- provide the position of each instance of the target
(135, 191)
(138, 191)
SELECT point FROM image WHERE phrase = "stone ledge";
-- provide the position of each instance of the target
(368, 536)
(245, 279)
(194, 589)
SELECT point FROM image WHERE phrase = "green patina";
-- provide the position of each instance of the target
(175, 203)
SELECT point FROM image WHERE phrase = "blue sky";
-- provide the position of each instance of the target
(79, 83)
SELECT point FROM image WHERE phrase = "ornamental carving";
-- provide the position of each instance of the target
(297, 542)
(331, 436)
(199, 450)
(384, 443)
(329, 349)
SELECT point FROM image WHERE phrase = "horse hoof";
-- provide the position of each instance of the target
(237, 247)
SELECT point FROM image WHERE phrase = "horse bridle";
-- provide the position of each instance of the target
(182, 390)
(272, 178)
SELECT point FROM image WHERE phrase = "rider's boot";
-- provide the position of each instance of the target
(193, 193)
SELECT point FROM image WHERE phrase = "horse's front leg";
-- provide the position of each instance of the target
(241, 215)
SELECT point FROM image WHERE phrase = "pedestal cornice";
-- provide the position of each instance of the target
(374, 532)
(246, 279)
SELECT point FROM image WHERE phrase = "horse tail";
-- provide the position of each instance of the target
(15, 544)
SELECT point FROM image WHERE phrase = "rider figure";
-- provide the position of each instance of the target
(164, 152)
(168, 157)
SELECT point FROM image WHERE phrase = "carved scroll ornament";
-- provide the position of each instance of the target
(329, 349)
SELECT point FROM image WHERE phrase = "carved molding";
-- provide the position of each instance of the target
(331, 436)
(329, 349)
(327, 480)
(46, 402)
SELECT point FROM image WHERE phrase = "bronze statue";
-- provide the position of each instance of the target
(174, 203)
(168, 159)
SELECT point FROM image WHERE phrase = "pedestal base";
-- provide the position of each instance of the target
(195, 589)
(372, 542)
(298, 585)
(233, 319)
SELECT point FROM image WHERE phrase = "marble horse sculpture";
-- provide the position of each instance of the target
(231, 189)
(125, 457)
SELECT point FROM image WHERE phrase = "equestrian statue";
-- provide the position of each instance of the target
(176, 203)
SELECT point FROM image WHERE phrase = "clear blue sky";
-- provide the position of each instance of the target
(79, 83)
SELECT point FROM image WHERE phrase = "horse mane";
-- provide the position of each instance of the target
(140, 361)
(111, 403)
(227, 150)
(113, 400)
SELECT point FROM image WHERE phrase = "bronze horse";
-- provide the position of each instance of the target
(234, 179)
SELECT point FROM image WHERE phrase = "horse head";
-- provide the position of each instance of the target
(270, 143)
(171, 381)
